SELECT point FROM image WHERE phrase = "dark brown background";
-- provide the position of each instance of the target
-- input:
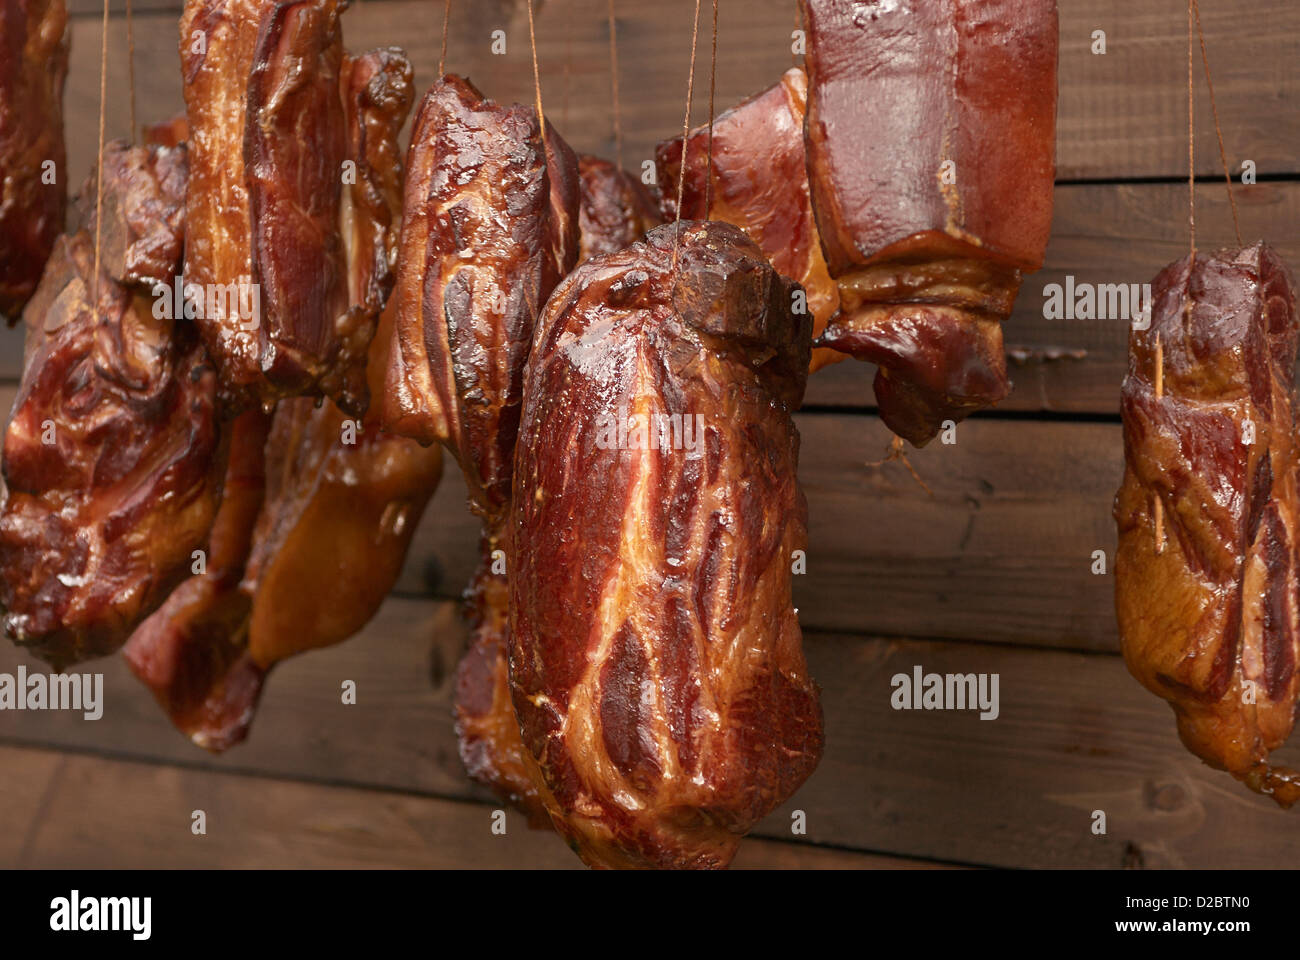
(990, 574)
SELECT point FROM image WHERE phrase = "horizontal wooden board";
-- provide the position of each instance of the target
(140, 817)
(1075, 734)
(1000, 549)
(1101, 234)
(1121, 114)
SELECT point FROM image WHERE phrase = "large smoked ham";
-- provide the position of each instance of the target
(491, 226)
(931, 134)
(111, 460)
(33, 166)
(655, 658)
(757, 179)
(279, 180)
(1206, 573)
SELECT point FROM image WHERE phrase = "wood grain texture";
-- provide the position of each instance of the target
(1121, 114)
(141, 818)
(1002, 551)
(1075, 734)
(1101, 234)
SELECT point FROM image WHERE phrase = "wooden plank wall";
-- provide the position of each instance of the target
(991, 573)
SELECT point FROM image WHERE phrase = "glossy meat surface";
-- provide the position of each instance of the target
(294, 145)
(487, 233)
(111, 459)
(1208, 610)
(140, 241)
(192, 652)
(655, 659)
(930, 132)
(33, 66)
(760, 184)
(491, 224)
(614, 210)
(339, 511)
(295, 155)
(218, 231)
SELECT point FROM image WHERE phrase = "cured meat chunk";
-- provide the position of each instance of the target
(655, 658)
(295, 152)
(192, 652)
(490, 226)
(315, 522)
(614, 208)
(33, 162)
(218, 40)
(759, 182)
(111, 459)
(931, 133)
(1205, 576)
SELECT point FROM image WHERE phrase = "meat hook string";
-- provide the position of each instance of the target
(1218, 131)
(537, 83)
(708, 163)
(99, 165)
(686, 136)
(613, 82)
(442, 57)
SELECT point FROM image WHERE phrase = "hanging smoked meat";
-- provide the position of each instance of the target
(931, 135)
(614, 208)
(490, 227)
(33, 165)
(655, 658)
(1205, 576)
(192, 652)
(311, 536)
(759, 182)
(111, 458)
(324, 500)
(267, 93)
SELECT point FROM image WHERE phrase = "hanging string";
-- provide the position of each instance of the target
(686, 133)
(613, 81)
(1218, 131)
(708, 164)
(537, 83)
(130, 65)
(442, 57)
(1191, 141)
(99, 165)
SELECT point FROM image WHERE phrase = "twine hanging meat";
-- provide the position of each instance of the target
(490, 226)
(111, 459)
(931, 132)
(758, 181)
(1205, 576)
(312, 496)
(33, 164)
(267, 88)
(655, 658)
